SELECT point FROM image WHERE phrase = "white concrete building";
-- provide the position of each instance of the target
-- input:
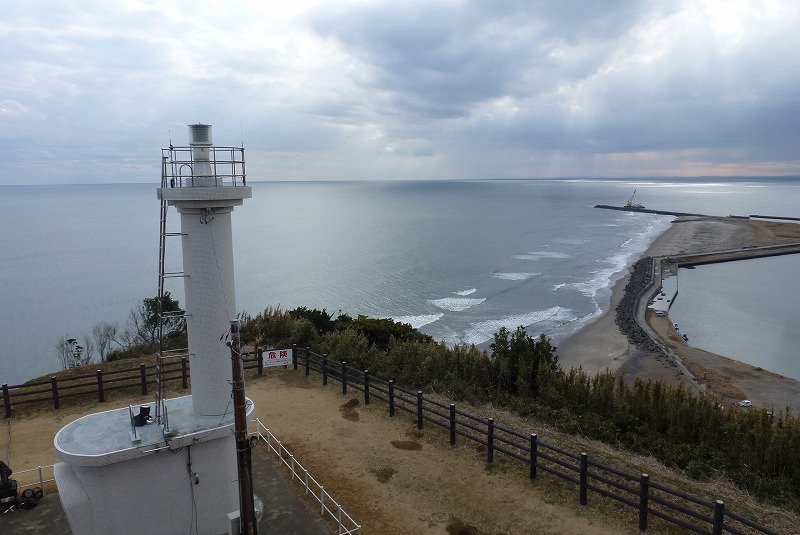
(178, 473)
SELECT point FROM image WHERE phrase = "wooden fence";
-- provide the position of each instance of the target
(648, 498)
(136, 379)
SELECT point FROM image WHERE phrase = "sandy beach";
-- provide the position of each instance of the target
(601, 345)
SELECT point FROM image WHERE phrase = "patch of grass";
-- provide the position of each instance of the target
(383, 475)
(352, 404)
(408, 445)
(457, 526)
(415, 433)
(349, 411)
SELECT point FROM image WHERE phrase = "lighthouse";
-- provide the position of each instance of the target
(205, 204)
(125, 472)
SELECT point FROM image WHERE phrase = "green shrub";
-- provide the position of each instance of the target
(697, 433)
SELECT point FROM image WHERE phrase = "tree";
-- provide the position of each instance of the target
(88, 349)
(518, 359)
(104, 334)
(143, 321)
(379, 331)
(323, 321)
(71, 353)
(504, 362)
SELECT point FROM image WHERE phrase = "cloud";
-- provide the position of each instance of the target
(437, 89)
(437, 60)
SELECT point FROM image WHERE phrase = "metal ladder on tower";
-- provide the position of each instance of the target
(165, 317)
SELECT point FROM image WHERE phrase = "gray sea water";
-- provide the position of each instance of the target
(725, 309)
(457, 259)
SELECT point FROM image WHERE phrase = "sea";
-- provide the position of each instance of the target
(456, 259)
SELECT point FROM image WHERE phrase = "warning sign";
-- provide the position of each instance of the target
(277, 357)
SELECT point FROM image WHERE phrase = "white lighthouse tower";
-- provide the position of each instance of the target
(205, 204)
(124, 473)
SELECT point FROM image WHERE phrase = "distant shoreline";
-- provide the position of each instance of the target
(600, 345)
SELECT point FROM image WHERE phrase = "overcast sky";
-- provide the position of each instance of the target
(319, 90)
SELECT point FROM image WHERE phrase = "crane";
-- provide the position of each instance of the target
(632, 206)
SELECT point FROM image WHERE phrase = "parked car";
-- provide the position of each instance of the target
(745, 403)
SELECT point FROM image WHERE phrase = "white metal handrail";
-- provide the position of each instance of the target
(20, 486)
(326, 501)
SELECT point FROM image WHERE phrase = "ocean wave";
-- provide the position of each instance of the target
(466, 292)
(537, 255)
(456, 304)
(568, 328)
(514, 276)
(418, 321)
(619, 260)
(571, 241)
(601, 279)
(543, 320)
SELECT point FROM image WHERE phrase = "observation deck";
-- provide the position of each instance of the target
(203, 175)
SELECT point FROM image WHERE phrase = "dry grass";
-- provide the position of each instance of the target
(396, 479)
(393, 487)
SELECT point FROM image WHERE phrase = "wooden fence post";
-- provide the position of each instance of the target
(307, 362)
(143, 378)
(366, 387)
(101, 395)
(184, 372)
(324, 369)
(260, 361)
(6, 400)
(534, 453)
(419, 409)
(644, 498)
(719, 517)
(452, 424)
(490, 441)
(391, 398)
(344, 378)
(54, 387)
(584, 477)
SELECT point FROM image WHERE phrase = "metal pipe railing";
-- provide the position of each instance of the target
(346, 524)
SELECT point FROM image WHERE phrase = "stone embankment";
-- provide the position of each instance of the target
(640, 280)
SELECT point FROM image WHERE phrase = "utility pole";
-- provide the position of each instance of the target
(247, 515)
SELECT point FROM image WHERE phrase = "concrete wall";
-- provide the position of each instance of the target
(154, 493)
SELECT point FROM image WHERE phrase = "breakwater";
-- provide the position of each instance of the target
(640, 280)
(648, 211)
(715, 257)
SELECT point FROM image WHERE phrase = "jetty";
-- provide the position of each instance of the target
(697, 259)
(648, 211)
(712, 257)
